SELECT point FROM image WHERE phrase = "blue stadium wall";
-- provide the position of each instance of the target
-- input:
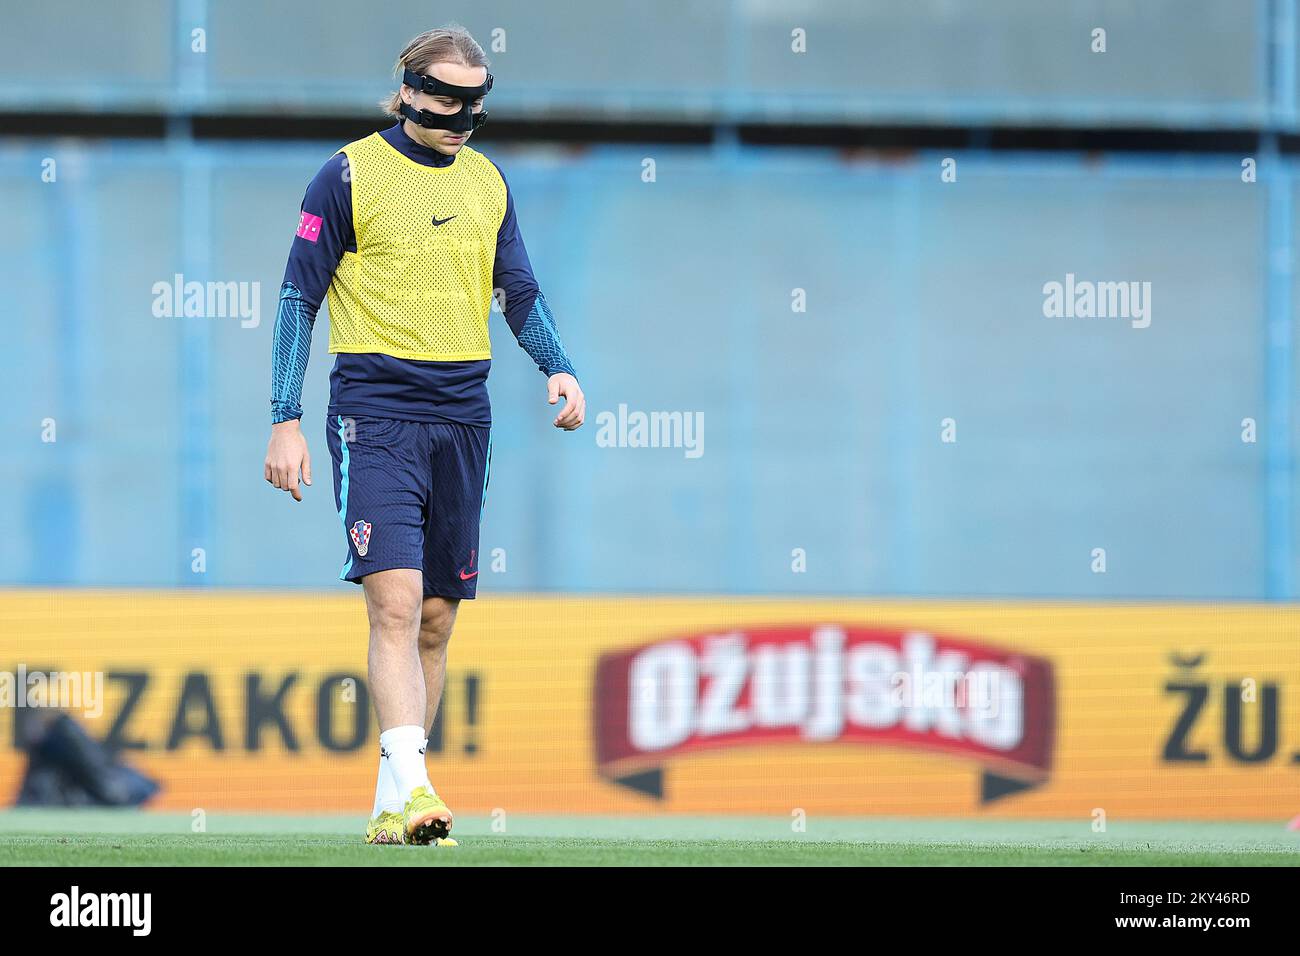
(822, 428)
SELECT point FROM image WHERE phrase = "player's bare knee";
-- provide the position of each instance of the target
(437, 618)
(433, 640)
(393, 615)
(393, 604)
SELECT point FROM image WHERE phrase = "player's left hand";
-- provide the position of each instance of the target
(563, 385)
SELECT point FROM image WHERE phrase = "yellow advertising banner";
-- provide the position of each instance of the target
(258, 701)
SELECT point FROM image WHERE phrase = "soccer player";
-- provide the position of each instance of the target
(410, 231)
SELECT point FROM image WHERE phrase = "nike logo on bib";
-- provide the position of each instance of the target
(439, 222)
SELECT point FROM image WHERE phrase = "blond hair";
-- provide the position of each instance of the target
(449, 44)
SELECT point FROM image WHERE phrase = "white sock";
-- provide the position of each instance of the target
(387, 799)
(405, 747)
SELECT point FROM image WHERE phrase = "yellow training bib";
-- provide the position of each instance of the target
(419, 285)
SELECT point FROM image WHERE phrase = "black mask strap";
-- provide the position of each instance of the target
(463, 120)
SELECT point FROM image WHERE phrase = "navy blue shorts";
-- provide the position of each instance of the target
(411, 495)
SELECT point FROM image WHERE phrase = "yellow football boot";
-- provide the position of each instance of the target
(387, 828)
(427, 817)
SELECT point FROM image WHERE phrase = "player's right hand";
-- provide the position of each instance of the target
(286, 455)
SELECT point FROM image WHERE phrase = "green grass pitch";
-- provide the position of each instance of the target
(134, 838)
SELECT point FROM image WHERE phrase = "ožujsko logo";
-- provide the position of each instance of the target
(824, 684)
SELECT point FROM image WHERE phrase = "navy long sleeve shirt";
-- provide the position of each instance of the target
(383, 385)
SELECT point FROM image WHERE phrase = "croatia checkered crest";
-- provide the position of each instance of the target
(361, 537)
